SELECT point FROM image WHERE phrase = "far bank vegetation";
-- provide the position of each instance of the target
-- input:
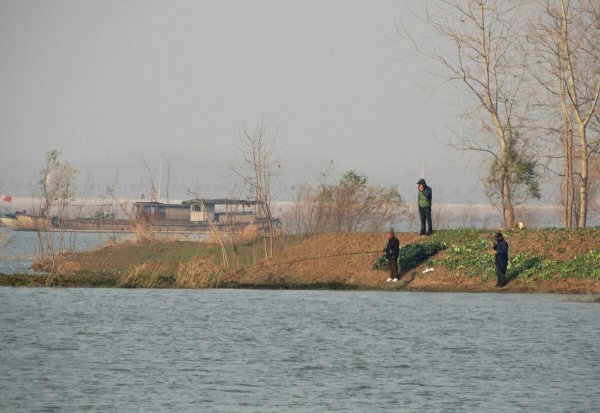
(347, 205)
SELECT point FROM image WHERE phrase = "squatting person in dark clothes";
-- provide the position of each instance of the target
(501, 248)
(425, 207)
(391, 253)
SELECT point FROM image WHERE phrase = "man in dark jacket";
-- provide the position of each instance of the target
(501, 248)
(424, 201)
(391, 253)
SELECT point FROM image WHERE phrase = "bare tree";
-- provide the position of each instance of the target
(166, 187)
(301, 217)
(388, 209)
(56, 194)
(259, 171)
(582, 95)
(565, 37)
(556, 130)
(486, 59)
(153, 183)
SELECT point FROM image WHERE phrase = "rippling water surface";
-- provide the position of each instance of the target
(73, 350)
(18, 249)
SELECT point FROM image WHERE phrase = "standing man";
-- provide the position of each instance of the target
(391, 253)
(425, 207)
(501, 248)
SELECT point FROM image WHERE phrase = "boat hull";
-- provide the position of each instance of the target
(38, 223)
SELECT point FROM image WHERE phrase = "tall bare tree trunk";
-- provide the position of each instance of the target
(581, 118)
(507, 207)
(568, 192)
(492, 106)
(488, 60)
(583, 179)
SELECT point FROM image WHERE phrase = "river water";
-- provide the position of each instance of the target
(19, 249)
(75, 350)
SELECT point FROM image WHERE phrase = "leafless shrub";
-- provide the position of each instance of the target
(56, 191)
(259, 170)
(351, 204)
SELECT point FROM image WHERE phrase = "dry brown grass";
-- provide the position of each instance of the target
(54, 280)
(198, 272)
(143, 232)
(144, 276)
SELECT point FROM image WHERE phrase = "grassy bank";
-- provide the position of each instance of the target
(548, 260)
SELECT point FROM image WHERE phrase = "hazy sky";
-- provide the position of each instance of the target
(110, 83)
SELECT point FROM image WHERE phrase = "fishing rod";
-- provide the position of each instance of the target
(313, 258)
(410, 241)
(329, 256)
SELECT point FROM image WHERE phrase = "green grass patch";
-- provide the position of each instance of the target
(469, 252)
(548, 268)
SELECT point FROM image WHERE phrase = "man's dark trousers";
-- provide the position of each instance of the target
(425, 215)
(393, 263)
(501, 266)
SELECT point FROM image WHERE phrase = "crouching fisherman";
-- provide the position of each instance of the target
(501, 248)
(391, 253)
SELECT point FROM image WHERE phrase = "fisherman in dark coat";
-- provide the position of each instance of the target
(424, 201)
(501, 248)
(391, 253)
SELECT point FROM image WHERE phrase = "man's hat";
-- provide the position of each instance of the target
(421, 182)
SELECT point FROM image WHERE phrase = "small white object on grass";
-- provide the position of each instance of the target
(428, 269)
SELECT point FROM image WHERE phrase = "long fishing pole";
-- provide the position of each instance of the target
(329, 256)
(314, 258)
(411, 241)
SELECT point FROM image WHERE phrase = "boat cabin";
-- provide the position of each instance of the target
(197, 210)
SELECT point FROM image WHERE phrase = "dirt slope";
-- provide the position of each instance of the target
(320, 259)
(329, 258)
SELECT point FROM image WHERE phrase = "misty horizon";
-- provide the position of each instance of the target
(112, 85)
